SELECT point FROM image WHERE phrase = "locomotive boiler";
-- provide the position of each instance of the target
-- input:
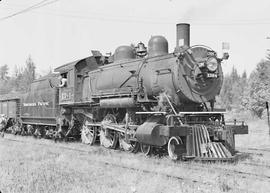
(143, 98)
(190, 75)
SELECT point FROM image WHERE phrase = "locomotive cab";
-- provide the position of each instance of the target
(76, 89)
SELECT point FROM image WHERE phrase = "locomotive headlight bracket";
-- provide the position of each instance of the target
(212, 64)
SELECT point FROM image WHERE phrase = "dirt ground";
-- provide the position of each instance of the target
(39, 165)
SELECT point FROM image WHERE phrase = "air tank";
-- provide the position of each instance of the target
(157, 46)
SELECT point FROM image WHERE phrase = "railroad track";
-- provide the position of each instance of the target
(256, 151)
(257, 165)
(193, 166)
(260, 149)
(229, 172)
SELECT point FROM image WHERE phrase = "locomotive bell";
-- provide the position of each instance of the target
(141, 50)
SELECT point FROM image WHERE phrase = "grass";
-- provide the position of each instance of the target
(258, 137)
(30, 167)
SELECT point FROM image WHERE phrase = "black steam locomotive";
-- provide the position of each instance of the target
(139, 98)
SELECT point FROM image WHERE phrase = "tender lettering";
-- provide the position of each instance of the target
(29, 104)
(43, 103)
(36, 104)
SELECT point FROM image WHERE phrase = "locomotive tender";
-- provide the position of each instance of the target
(139, 98)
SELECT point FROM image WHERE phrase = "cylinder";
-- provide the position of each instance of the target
(183, 34)
(149, 133)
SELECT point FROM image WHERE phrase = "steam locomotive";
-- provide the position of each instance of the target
(137, 99)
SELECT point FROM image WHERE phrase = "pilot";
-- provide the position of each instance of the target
(63, 80)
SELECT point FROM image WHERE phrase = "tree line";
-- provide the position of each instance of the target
(21, 79)
(243, 93)
(239, 92)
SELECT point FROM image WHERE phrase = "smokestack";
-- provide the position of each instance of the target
(182, 34)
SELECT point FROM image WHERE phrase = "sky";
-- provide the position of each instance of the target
(67, 30)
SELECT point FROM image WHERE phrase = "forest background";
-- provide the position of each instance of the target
(240, 93)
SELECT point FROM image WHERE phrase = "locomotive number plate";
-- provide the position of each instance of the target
(211, 75)
(66, 94)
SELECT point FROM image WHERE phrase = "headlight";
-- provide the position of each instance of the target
(212, 64)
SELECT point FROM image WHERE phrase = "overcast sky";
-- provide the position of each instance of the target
(67, 30)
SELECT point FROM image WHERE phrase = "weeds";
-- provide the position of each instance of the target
(33, 168)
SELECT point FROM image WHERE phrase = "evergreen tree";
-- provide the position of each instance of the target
(225, 94)
(30, 70)
(244, 91)
(4, 72)
(268, 56)
(259, 88)
(4, 80)
(25, 76)
(231, 91)
(21, 80)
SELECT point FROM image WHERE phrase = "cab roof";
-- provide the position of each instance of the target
(67, 67)
(90, 62)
